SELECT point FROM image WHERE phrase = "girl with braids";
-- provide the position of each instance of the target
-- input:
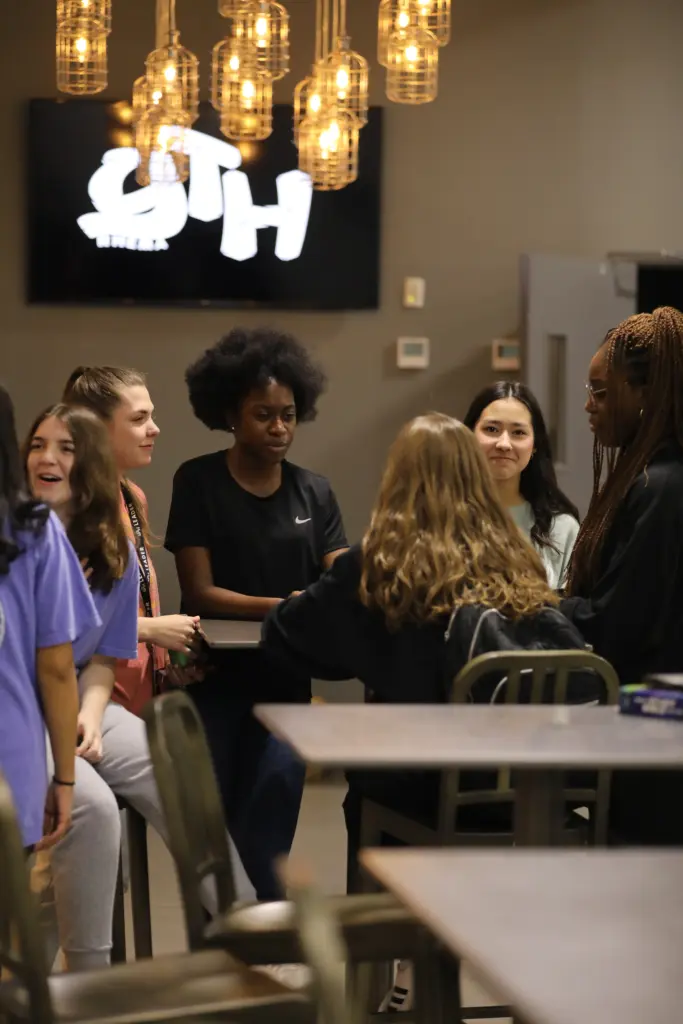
(508, 424)
(626, 576)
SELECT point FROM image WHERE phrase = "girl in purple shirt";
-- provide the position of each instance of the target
(44, 605)
(71, 468)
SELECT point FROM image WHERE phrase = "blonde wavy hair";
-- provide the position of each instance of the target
(439, 536)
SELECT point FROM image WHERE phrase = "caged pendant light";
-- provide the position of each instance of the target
(165, 104)
(412, 61)
(434, 15)
(98, 10)
(344, 75)
(241, 94)
(260, 31)
(328, 138)
(81, 55)
(229, 8)
(436, 18)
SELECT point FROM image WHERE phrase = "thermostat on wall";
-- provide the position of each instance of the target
(412, 353)
(506, 355)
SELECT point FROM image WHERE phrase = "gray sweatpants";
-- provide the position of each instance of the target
(77, 879)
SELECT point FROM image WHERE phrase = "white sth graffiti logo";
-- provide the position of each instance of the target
(144, 220)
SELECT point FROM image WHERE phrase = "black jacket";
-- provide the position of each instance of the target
(633, 616)
(327, 633)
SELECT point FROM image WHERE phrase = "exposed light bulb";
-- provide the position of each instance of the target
(234, 63)
(261, 31)
(156, 96)
(411, 53)
(342, 83)
(170, 73)
(314, 104)
(81, 44)
(403, 20)
(248, 93)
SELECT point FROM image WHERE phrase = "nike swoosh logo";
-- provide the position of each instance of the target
(300, 522)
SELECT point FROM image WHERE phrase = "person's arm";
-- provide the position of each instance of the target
(58, 689)
(335, 536)
(204, 598)
(97, 683)
(621, 617)
(306, 633)
(570, 533)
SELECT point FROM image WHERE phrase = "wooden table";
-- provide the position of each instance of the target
(231, 634)
(541, 741)
(564, 937)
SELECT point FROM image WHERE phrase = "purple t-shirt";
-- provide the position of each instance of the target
(44, 601)
(117, 634)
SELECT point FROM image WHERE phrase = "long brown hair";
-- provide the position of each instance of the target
(99, 388)
(439, 536)
(647, 350)
(96, 530)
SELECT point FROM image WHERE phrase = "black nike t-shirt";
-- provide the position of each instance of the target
(263, 547)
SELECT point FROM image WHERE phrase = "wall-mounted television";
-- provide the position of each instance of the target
(246, 229)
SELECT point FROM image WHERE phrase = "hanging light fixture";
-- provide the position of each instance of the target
(412, 62)
(229, 8)
(328, 148)
(308, 92)
(307, 100)
(434, 15)
(344, 75)
(160, 139)
(81, 51)
(98, 10)
(165, 104)
(436, 18)
(243, 97)
(260, 31)
(327, 133)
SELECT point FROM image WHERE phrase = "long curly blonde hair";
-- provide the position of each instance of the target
(439, 536)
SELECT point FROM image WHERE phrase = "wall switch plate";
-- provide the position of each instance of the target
(412, 353)
(414, 293)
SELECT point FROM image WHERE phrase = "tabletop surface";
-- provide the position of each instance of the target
(466, 736)
(225, 633)
(562, 937)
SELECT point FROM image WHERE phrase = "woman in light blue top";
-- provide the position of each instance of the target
(508, 423)
(70, 467)
(44, 605)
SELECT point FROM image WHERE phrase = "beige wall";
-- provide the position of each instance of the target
(558, 128)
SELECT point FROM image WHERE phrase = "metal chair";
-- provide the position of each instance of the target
(206, 985)
(375, 927)
(138, 860)
(533, 677)
(530, 677)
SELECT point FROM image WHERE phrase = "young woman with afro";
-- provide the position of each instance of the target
(247, 529)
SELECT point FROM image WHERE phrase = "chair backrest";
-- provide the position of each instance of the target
(540, 677)
(191, 801)
(533, 677)
(22, 952)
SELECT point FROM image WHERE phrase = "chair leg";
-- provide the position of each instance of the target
(139, 884)
(118, 951)
(437, 985)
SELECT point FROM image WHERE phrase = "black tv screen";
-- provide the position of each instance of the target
(245, 230)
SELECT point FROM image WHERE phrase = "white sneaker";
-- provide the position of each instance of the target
(294, 976)
(400, 998)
